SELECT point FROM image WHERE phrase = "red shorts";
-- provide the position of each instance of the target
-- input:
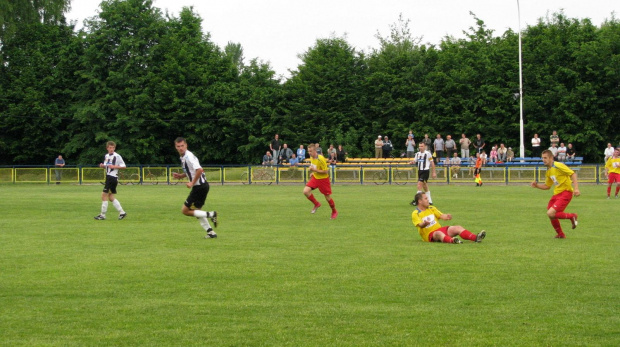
(613, 177)
(323, 184)
(442, 229)
(560, 201)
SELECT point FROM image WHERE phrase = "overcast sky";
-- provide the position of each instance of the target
(276, 31)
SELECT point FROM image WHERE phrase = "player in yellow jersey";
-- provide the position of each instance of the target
(564, 178)
(425, 218)
(319, 179)
(612, 169)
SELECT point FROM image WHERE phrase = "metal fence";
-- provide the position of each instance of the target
(362, 174)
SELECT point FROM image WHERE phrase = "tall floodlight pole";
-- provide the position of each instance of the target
(521, 143)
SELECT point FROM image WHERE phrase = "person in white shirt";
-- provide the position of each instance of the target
(199, 186)
(562, 152)
(424, 160)
(112, 162)
(536, 146)
(609, 152)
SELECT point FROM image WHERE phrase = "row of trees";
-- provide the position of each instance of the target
(141, 78)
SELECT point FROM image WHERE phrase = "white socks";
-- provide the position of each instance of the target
(117, 206)
(428, 195)
(205, 223)
(104, 207)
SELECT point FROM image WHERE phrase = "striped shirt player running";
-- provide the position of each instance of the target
(112, 162)
(199, 185)
(424, 160)
(563, 178)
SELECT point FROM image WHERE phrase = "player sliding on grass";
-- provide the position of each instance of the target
(319, 179)
(199, 185)
(425, 217)
(563, 178)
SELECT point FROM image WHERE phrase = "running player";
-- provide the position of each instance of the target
(564, 178)
(319, 179)
(199, 185)
(112, 162)
(612, 169)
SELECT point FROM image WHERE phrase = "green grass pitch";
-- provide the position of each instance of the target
(278, 275)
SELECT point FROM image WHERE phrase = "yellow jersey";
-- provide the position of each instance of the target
(432, 215)
(320, 164)
(613, 165)
(559, 174)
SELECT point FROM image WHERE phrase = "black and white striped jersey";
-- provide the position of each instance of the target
(423, 160)
(113, 159)
(190, 164)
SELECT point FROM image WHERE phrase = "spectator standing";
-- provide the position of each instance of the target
(455, 165)
(59, 163)
(536, 146)
(554, 138)
(438, 146)
(501, 153)
(275, 146)
(341, 154)
(331, 150)
(301, 153)
(479, 143)
(427, 142)
(318, 149)
(410, 145)
(465, 143)
(609, 152)
(570, 151)
(379, 147)
(450, 146)
(387, 147)
(562, 152)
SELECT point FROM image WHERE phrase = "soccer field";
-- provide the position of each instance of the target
(278, 275)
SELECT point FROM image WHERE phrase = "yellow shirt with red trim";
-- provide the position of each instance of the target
(432, 215)
(613, 165)
(559, 174)
(320, 164)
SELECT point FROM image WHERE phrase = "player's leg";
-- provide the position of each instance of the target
(441, 235)
(113, 200)
(465, 234)
(308, 193)
(560, 205)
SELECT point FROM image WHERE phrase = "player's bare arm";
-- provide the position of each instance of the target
(540, 185)
(576, 191)
(445, 216)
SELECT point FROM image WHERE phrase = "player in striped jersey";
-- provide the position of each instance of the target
(564, 178)
(612, 169)
(424, 160)
(112, 162)
(199, 186)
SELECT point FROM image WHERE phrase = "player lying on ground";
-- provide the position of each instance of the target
(425, 218)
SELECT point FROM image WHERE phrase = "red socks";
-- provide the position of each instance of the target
(332, 204)
(556, 225)
(311, 198)
(563, 215)
(467, 235)
(447, 239)
(609, 190)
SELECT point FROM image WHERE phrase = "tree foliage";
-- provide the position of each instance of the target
(142, 78)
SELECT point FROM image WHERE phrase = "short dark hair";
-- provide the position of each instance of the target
(180, 139)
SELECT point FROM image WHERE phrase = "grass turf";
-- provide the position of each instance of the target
(277, 275)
